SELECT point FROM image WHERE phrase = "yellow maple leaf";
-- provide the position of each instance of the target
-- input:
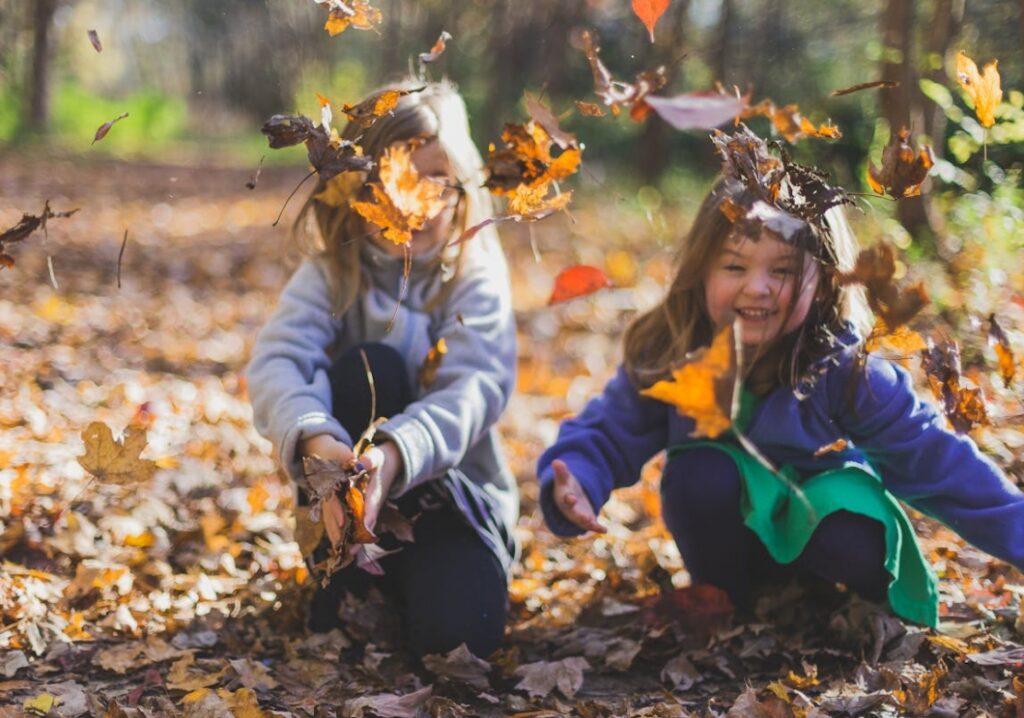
(402, 201)
(696, 388)
(532, 202)
(983, 88)
(358, 14)
(115, 462)
(340, 189)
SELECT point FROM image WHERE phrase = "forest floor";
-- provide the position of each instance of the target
(186, 595)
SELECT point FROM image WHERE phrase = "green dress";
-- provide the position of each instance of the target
(784, 522)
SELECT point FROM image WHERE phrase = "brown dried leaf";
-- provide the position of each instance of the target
(103, 129)
(963, 406)
(94, 38)
(1004, 352)
(115, 462)
(373, 108)
(616, 94)
(542, 677)
(902, 171)
(875, 269)
(357, 13)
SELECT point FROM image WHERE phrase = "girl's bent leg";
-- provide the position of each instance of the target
(849, 548)
(350, 388)
(453, 587)
(700, 492)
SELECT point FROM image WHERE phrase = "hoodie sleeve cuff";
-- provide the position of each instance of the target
(307, 425)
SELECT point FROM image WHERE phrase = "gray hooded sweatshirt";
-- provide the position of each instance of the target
(447, 433)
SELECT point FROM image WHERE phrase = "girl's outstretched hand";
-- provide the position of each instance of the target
(327, 447)
(572, 502)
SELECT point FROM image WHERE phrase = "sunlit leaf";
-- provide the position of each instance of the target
(903, 171)
(983, 88)
(649, 12)
(578, 281)
(103, 129)
(115, 462)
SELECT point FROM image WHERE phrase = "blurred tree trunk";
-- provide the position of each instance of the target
(39, 86)
(653, 152)
(719, 60)
(947, 19)
(898, 104)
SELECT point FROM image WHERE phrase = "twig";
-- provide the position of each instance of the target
(281, 213)
(120, 254)
(53, 277)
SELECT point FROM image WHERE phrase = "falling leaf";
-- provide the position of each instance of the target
(589, 109)
(882, 84)
(997, 337)
(115, 462)
(788, 122)
(438, 48)
(697, 110)
(328, 154)
(578, 281)
(875, 269)
(357, 13)
(373, 108)
(28, 224)
(902, 171)
(533, 203)
(403, 203)
(542, 677)
(94, 38)
(251, 184)
(984, 89)
(103, 129)
(542, 115)
(526, 158)
(616, 94)
(649, 12)
(836, 447)
(702, 388)
(963, 406)
(432, 362)
(902, 340)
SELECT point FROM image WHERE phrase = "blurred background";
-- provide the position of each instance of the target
(199, 77)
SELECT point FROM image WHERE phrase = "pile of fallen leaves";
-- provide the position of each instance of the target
(184, 593)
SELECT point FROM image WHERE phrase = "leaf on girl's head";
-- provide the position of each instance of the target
(964, 407)
(357, 13)
(983, 88)
(328, 153)
(578, 281)
(788, 122)
(371, 109)
(882, 84)
(94, 38)
(703, 387)
(997, 337)
(542, 115)
(439, 47)
(903, 171)
(649, 12)
(103, 129)
(589, 109)
(526, 158)
(697, 110)
(402, 202)
(432, 362)
(616, 94)
(875, 269)
(115, 462)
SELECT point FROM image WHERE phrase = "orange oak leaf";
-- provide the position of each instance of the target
(357, 13)
(649, 12)
(703, 387)
(1004, 352)
(526, 157)
(371, 109)
(616, 94)
(902, 171)
(533, 203)
(983, 88)
(115, 462)
(402, 202)
(788, 122)
(578, 281)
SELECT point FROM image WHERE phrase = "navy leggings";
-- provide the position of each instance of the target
(449, 587)
(700, 492)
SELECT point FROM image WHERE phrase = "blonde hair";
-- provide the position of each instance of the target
(659, 339)
(429, 111)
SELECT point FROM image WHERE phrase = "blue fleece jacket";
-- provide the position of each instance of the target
(887, 426)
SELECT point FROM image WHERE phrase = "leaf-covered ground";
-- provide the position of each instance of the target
(185, 595)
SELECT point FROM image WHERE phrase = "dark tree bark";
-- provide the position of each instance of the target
(947, 20)
(653, 154)
(898, 104)
(39, 103)
(720, 52)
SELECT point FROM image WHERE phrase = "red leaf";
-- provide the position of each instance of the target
(649, 12)
(697, 110)
(578, 281)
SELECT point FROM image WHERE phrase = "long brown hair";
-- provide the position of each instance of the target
(659, 339)
(434, 111)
